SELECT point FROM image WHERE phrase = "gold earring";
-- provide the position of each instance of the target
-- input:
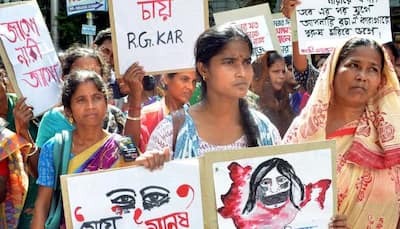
(71, 119)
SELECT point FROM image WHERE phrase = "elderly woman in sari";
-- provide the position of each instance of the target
(84, 98)
(355, 102)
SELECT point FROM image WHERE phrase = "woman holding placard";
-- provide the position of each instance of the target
(87, 148)
(223, 62)
(355, 102)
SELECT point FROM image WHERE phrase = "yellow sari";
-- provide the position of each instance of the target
(102, 155)
(368, 149)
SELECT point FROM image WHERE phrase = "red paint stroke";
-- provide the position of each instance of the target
(321, 185)
(183, 191)
(136, 215)
(79, 217)
(117, 209)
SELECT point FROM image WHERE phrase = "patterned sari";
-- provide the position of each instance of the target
(17, 184)
(368, 149)
(102, 155)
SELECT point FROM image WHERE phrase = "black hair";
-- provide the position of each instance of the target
(76, 78)
(274, 104)
(210, 43)
(74, 53)
(103, 35)
(264, 62)
(288, 59)
(356, 42)
(262, 170)
(392, 47)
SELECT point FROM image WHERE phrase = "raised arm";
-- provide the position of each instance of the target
(133, 78)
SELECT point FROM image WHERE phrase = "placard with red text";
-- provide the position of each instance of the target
(159, 34)
(29, 55)
(135, 197)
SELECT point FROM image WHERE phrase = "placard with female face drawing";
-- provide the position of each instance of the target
(135, 197)
(274, 187)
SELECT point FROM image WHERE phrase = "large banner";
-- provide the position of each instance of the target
(29, 55)
(135, 198)
(322, 24)
(160, 35)
(262, 187)
(256, 22)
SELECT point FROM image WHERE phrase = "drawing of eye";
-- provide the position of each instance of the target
(266, 183)
(283, 182)
(154, 196)
(124, 198)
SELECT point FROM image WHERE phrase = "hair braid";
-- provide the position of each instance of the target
(249, 126)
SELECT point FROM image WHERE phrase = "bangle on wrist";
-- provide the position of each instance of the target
(133, 118)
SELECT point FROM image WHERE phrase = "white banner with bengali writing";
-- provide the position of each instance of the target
(322, 24)
(160, 35)
(29, 55)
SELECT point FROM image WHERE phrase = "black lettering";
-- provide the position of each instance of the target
(178, 35)
(144, 42)
(131, 40)
(160, 37)
(170, 37)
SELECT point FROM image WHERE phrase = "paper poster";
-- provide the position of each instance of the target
(160, 35)
(135, 197)
(272, 187)
(283, 33)
(29, 55)
(322, 24)
(256, 22)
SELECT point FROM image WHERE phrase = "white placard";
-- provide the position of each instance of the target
(233, 181)
(256, 22)
(135, 197)
(29, 55)
(322, 24)
(283, 33)
(271, 174)
(160, 35)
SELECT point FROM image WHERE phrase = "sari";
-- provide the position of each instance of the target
(367, 149)
(102, 155)
(17, 184)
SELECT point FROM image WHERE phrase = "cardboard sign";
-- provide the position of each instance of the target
(209, 192)
(283, 33)
(135, 197)
(29, 55)
(322, 24)
(256, 22)
(273, 186)
(160, 35)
